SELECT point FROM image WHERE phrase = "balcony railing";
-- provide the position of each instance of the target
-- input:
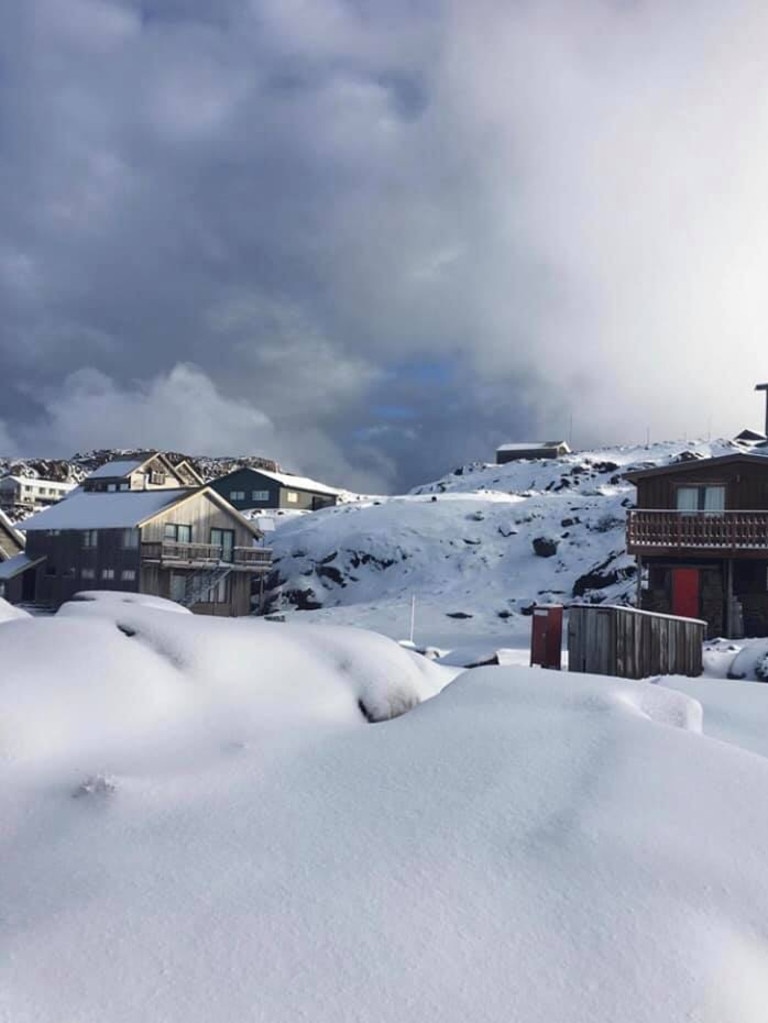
(173, 554)
(714, 531)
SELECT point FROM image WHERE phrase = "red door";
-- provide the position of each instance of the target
(685, 592)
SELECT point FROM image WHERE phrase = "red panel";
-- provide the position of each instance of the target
(547, 636)
(685, 592)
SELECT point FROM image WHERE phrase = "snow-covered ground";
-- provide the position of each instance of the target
(207, 819)
(197, 822)
(463, 547)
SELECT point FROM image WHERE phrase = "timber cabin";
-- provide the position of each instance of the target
(700, 536)
(183, 543)
(531, 451)
(247, 488)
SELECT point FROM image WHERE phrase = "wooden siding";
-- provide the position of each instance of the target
(66, 556)
(247, 480)
(632, 644)
(746, 486)
(737, 533)
(201, 513)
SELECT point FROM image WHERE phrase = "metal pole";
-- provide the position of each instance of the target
(764, 387)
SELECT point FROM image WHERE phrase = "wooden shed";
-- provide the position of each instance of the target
(622, 641)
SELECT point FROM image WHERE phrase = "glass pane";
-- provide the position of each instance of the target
(714, 498)
(687, 498)
(184, 534)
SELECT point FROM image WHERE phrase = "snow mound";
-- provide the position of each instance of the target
(9, 613)
(527, 845)
(89, 598)
(98, 677)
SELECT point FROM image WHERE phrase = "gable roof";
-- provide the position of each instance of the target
(118, 468)
(286, 479)
(124, 509)
(693, 464)
(8, 527)
(185, 466)
(18, 563)
(125, 466)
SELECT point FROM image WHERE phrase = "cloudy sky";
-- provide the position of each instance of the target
(375, 238)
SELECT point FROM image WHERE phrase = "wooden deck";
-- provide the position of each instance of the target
(172, 554)
(731, 533)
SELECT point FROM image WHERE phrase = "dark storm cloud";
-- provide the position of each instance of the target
(245, 222)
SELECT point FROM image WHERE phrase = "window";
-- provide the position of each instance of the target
(260, 495)
(225, 539)
(111, 487)
(129, 539)
(291, 497)
(87, 573)
(124, 486)
(237, 495)
(107, 573)
(128, 575)
(157, 478)
(703, 498)
(181, 534)
(90, 538)
(178, 586)
(220, 592)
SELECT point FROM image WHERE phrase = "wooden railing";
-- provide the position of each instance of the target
(173, 553)
(726, 530)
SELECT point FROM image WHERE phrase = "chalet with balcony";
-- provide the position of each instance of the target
(247, 488)
(700, 536)
(186, 544)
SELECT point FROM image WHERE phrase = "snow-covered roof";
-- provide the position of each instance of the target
(37, 481)
(298, 482)
(16, 564)
(119, 468)
(121, 510)
(534, 445)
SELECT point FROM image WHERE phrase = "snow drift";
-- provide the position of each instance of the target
(197, 824)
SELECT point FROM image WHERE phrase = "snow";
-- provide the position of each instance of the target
(463, 545)
(37, 481)
(198, 820)
(84, 510)
(117, 468)
(298, 482)
(533, 445)
(197, 823)
(9, 613)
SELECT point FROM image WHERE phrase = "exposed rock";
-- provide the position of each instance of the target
(544, 546)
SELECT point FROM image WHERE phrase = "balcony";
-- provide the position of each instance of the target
(730, 533)
(172, 554)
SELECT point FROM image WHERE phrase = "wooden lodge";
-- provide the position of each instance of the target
(700, 536)
(133, 528)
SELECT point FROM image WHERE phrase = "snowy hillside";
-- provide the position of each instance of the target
(476, 548)
(197, 823)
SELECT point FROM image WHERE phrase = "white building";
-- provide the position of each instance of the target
(28, 493)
